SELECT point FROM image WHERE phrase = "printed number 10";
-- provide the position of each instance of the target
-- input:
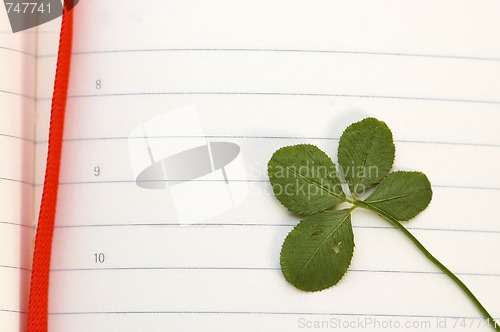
(99, 257)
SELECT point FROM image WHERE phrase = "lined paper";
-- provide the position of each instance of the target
(17, 146)
(263, 75)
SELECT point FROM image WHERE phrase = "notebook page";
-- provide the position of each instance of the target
(17, 86)
(153, 81)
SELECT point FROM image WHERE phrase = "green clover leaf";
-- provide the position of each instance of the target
(401, 195)
(322, 247)
(365, 154)
(305, 179)
(318, 251)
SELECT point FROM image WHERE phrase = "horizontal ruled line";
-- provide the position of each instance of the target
(13, 311)
(246, 268)
(173, 225)
(269, 50)
(15, 268)
(437, 229)
(18, 181)
(235, 181)
(18, 94)
(16, 224)
(465, 187)
(270, 313)
(161, 268)
(269, 225)
(287, 94)
(17, 51)
(18, 138)
(248, 181)
(169, 268)
(83, 139)
(102, 182)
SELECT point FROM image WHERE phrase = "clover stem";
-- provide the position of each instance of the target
(436, 262)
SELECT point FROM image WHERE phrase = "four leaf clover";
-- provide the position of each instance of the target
(318, 251)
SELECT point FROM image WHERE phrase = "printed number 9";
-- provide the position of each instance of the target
(97, 171)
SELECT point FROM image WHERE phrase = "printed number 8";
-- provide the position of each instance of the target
(98, 84)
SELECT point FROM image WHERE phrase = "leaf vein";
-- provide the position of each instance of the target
(372, 142)
(341, 223)
(310, 181)
(388, 198)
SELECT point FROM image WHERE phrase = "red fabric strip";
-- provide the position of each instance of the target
(39, 288)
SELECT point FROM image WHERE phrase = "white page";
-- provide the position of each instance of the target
(263, 75)
(20, 80)
(17, 113)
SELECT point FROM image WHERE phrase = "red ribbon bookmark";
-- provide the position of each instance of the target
(39, 287)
